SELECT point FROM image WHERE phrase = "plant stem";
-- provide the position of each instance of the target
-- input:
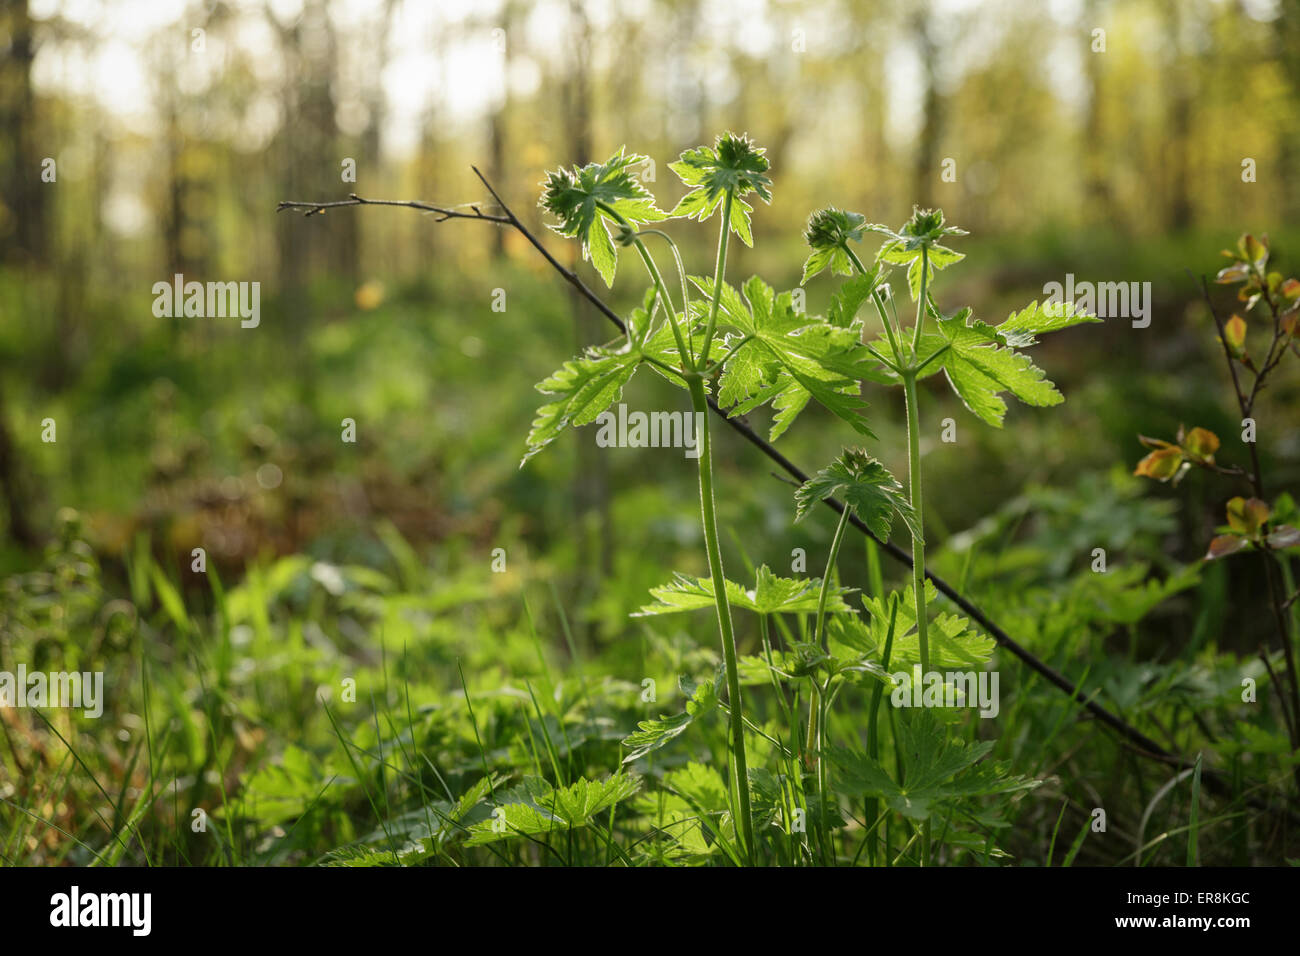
(826, 578)
(914, 494)
(914, 476)
(720, 270)
(700, 404)
(1246, 403)
(658, 279)
(817, 703)
(681, 277)
(875, 298)
(922, 303)
(873, 717)
(918, 542)
(913, 460)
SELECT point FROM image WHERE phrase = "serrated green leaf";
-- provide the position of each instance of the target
(771, 595)
(733, 164)
(980, 369)
(954, 643)
(536, 808)
(789, 358)
(828, 234)
(939, 768)
(587, 386)
(652, 734)
(863, 484)
(918, 241)
(585, 199)
(1021, 329)
(849, 297)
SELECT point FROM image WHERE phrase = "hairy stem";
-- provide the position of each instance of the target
(918, 541)
(709, 518)
(836, 541)
(681, 277)
(922, 302)
(876, 299)
(720, 270)
(914, 494)
(658, 279)
(873, 720)
(816, 703)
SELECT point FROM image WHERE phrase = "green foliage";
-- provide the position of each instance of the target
(979, 368)
(732, 165)
(784, 358)
(587, 386)
(828, 234)
(917, 243)
(650, 735)
(863, 484)
(498, 701)
(955, 644)
(770, 595)
(940, 769)
(587, 200)
(535, 808)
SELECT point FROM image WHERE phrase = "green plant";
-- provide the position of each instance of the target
(774, 354)
(588, 202)
(1252, 523)
(734, 350)
(980, 361)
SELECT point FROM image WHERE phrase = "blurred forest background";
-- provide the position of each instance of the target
(175, 128)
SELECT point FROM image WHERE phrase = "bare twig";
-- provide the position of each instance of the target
(444, 212)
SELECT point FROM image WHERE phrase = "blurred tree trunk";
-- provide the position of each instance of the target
(24, 234)
(428, 157)
(497, 116)
(1097, 172)
(927, 146)
(875, 159)
(18, 499)
(1179, 82)
(1288, 54)
(309, 157)
(591, 489)
(370, 158)
(23, 225)
(687, 113)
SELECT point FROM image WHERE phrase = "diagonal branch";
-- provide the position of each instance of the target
(1143, 744)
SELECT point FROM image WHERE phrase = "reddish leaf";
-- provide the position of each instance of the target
(1236, 272)
(1154, 442)
(1234, 335)
(1201, 443)
(1254, 250)
(1247, 515)
(1160, 465)
(1224, 545)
